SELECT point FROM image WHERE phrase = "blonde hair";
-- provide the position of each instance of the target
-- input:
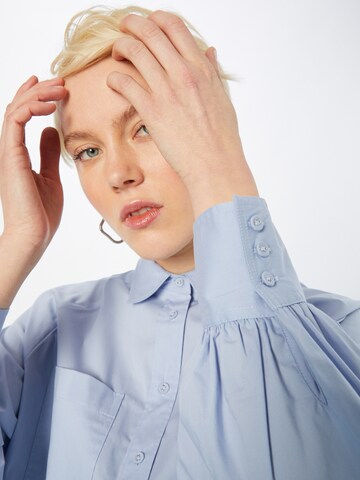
(89, 37)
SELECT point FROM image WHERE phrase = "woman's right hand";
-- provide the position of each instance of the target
(32, 202)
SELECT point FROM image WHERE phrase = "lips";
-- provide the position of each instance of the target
(135, 207)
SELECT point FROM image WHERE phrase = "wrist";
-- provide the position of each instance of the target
(17, 259)
(20, 243)
(211, 187)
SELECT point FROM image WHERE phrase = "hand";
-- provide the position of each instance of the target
(185, 108)
(32, 202)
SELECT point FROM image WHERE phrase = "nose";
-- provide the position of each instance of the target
(122, 169)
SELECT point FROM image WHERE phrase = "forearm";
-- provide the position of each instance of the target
(16, 261)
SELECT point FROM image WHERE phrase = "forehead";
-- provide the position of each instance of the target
(90, 99)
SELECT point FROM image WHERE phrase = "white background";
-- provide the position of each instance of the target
(298, 104)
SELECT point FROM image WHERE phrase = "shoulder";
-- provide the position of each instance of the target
(91, 293)
(39, 324)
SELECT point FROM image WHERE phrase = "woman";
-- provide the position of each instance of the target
(210, 359)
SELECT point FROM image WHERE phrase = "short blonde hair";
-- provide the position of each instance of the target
(89, 37)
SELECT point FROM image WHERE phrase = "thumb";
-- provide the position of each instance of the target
(50, 154)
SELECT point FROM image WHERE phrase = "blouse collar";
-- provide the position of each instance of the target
(148, 277)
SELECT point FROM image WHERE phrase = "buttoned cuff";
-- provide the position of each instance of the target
(242, 267)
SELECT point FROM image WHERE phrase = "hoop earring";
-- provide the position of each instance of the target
(106, 234)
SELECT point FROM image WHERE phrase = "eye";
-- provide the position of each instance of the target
(144, 129)
(87, 154)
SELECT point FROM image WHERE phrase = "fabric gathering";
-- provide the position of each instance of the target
(210, 359)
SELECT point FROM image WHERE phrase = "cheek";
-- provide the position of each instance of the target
(177, 188)
(90, 188)
(170, 178)
(179, 201)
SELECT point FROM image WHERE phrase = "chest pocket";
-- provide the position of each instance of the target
(84, 409)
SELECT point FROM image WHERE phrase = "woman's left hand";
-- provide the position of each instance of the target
(185, 108)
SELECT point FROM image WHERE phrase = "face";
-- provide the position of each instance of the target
(119, 164)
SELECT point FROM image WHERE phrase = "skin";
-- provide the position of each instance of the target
(190, 122)
(188, 159)
(32, 202)
(125, 165)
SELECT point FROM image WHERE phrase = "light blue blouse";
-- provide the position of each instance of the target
(233, 371)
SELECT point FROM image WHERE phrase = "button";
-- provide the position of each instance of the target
(179, 282)
(164, 388)
(268, 279)
(263, 249)
(173, 314)
(139, 457)
(257, 223)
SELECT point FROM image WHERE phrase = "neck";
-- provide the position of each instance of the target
(181, 262)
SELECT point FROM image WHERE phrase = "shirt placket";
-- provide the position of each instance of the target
(175, 297)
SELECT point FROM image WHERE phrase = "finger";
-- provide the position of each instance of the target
(153, 37)
(33, 83)
(50, 154)
(16, 121)
(178, 33)
(211, 55)
(130, 89)
(43, 93)
(30, 82)
(142, 59)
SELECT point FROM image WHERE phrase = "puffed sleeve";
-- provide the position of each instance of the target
(275, 387)
(32, 332)
(8, 391)
(345, 311)
(3, 315)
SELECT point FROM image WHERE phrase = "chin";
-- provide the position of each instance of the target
(161, 250)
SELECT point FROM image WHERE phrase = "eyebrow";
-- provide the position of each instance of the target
(118, 122)
(127, 115)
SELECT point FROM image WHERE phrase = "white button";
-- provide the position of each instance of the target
(268, 279)
(139, 457)
(179, 282)
(263, 249)
(257, 223)
(164, 387)
(173, 314)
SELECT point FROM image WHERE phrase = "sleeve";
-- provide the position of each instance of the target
(345, 311)
(3, 315)
(278, 376)
(18, 394)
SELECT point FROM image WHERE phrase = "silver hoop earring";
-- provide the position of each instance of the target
(106, 234)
